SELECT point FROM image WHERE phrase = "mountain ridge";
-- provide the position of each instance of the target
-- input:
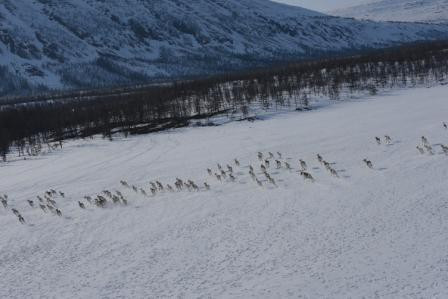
(87, 43)
(429, 11)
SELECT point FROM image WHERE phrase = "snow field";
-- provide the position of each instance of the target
(372, 232)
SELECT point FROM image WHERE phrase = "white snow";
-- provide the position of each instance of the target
(369, 233)
(432, 11)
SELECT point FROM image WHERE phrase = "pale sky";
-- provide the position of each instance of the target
(323, 5)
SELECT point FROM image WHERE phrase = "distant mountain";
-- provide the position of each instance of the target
(91, 43)
(430, 11)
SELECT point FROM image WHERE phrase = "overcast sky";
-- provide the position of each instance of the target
(323, 5)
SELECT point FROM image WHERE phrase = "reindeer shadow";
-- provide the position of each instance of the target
(381, 168)
(394, 143)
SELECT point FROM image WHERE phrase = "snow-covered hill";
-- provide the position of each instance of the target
(378, 232)
(89, 43)
(431, 11)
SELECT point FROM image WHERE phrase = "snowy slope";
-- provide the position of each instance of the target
(431, 11)
(86, 43)
(369, 233)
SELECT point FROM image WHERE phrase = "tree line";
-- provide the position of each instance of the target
(27, 126)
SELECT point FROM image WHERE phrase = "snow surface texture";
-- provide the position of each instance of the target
(431, 11)
(86, 43)
(377, 232)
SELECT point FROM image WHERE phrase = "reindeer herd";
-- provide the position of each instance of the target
(47, 203)
(262, 173)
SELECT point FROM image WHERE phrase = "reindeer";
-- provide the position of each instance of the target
(88, 198)
(4, 203)
(135, 188)
(378, 140)
(100, 201)
(388, 139)
(420, 149)
(251, 168)
(119, 194)
(207, 186)
(31, 203)
(320, 159)
(81, 205)
(445, 125)
(153, 185)
(279, 155)
(334, 172)
(40, 199)
(278, 164)
(142, 191)
(425, 140)
(159, 185)
(107, 193)
(223, 174)
(445, 149)
(43, 208)
(287, 165)
(125, 202)
(15, 212)
(237, 163)
(62, 194)
(154, 190)
(218, 177)
(124, 183)
(272, 181)
(116, 199)
(229, 168)
(194, 186)
(210, 173)
(260, 156)
(263, 168)
(267, 163)
(232, 178)
(21, 219)
(252, 174)
(368, 163)
(271, 155)
(219, 166)
(58, 212)
(259, 182)
(51, 202)
(179, 183)
(429, 149)
(303, 165)
(169, 188)
(187, 184)
(307, 176)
